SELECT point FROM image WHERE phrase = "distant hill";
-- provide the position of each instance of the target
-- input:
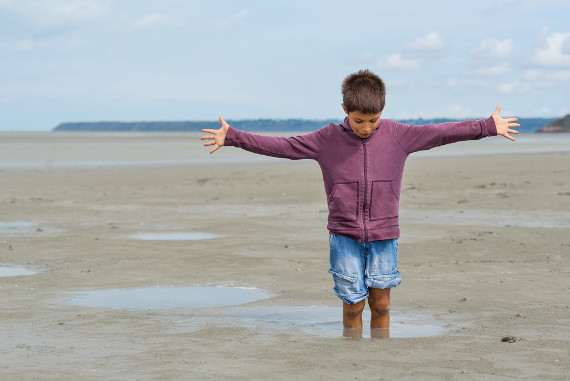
(528, 125)
(560, 125)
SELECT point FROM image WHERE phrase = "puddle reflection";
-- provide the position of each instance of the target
(173, 236)
(164, 298)
(14, 271)
(319, 321)
(16, 227)
(327, 322)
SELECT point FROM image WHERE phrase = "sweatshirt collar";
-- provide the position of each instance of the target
(346, 126)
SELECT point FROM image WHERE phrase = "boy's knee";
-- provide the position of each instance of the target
(353, 310)
(379, 303)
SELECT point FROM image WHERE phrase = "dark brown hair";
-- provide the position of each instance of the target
(364, 92)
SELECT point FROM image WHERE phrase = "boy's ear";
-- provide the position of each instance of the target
(344, 108)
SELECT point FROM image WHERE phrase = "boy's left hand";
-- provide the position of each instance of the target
(504, 125)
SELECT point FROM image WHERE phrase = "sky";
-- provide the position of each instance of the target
(134, 60)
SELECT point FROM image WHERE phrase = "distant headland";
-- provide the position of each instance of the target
(268, 125)
(560, 125)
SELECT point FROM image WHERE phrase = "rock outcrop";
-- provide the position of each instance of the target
(560, 125)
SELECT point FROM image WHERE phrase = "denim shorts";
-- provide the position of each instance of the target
(356, 266)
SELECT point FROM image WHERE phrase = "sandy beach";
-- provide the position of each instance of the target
(484, 258)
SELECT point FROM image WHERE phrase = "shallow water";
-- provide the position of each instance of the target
(85, 149)
(16, 227)
(172, 236)
(327, 321)
(14, 271)
(161, 298)
(319, 321)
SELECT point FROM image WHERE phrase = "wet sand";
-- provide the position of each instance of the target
(484, 253)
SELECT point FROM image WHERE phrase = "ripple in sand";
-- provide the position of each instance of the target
(14, 271)
(164, 298)
(173, 236)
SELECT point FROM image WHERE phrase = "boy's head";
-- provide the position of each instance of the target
(364, 97)
(364, 92)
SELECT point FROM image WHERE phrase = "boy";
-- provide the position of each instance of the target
(362, 161)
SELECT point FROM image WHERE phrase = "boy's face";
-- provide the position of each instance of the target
(362, 124)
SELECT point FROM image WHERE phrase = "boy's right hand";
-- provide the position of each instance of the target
(217, 137)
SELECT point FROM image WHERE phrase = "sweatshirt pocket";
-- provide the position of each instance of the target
(343, 201)
(383, 203)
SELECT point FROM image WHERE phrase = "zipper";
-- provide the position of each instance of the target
(365, 192)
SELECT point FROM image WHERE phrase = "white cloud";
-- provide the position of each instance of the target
(42, 12)
(431, 42)
(25, 44)
(532, 75)
(395, 61)
(494, 71)
(362, 60)
(155, 19)
(452, 112)
(493, 49)
(222, 24)
(514, 87)
(553, 51)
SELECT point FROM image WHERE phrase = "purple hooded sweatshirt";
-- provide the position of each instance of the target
(362, 177)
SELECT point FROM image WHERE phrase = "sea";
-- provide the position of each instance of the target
(61, 150)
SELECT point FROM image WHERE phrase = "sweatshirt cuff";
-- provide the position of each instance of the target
(490, 127)
(231, 137)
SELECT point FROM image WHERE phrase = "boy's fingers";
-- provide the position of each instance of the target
(222, 121)
(497, 110)
(214, 149)
(209, 131)
(209, 144)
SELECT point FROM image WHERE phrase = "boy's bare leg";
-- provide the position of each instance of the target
(352, 314)
(379, 302)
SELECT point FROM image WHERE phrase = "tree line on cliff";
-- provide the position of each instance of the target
(268, 125)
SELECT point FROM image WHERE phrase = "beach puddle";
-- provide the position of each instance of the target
(17, 227)
(165, 298)
(327, 321)
(14, 271)
(318, 321)
(173, 236)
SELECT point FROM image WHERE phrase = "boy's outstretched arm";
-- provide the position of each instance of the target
(307, 146)
(504, 126)
(217, 137)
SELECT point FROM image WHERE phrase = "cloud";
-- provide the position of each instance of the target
(452, 111)
(222, 24)
(24, 44)
(552, 51)
(155, 19)
(364, 59)
(518, 87)
(493, 49)
(49, 12)
(395, 61)
(431, 42)
(494, 71)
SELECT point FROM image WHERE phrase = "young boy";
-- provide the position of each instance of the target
(362, 161)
